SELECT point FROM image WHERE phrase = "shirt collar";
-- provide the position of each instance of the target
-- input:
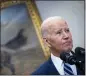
(57, 60)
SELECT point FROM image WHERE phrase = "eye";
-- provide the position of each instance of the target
(67, 30)
(59, 32)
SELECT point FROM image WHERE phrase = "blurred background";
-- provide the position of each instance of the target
(21, 52)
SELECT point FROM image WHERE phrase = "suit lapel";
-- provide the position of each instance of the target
(52, 68)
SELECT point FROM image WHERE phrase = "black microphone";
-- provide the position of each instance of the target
(73, 59)
(66, 57)
(80, 51)
(80, 54)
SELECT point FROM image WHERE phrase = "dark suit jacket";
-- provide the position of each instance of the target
(48, 68)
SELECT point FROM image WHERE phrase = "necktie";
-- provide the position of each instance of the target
(67, 69)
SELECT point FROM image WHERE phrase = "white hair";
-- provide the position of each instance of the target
(50, 19)
(45, 23)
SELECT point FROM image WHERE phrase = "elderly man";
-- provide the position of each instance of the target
(58, 38)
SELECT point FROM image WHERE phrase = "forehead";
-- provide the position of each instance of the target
(57, 24)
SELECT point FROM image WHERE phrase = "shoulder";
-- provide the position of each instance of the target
(43, 69)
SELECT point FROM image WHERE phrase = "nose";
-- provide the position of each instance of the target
(65, 35)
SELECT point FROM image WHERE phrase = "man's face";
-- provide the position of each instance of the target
(60, 37)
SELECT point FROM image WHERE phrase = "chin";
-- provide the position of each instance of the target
(68, 49)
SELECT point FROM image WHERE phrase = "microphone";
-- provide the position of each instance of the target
(66, 57)
(80, 55)
(80, 51)
(73, 59)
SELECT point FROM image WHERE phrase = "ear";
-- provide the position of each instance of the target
(46, 42)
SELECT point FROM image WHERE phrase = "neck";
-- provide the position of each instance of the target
(55, 52)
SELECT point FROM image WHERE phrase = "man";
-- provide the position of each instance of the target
(58, 38)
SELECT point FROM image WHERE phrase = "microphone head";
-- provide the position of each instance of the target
(80, 50)
(65, 56)
(80, 53)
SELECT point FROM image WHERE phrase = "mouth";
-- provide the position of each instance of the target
(68, 43)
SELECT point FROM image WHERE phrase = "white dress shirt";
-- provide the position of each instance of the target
(58, 63)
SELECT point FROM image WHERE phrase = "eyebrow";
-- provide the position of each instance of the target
(60, 29)
(57, 30)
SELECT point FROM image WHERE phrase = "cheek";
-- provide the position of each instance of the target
(70, 36)
(57, 43)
